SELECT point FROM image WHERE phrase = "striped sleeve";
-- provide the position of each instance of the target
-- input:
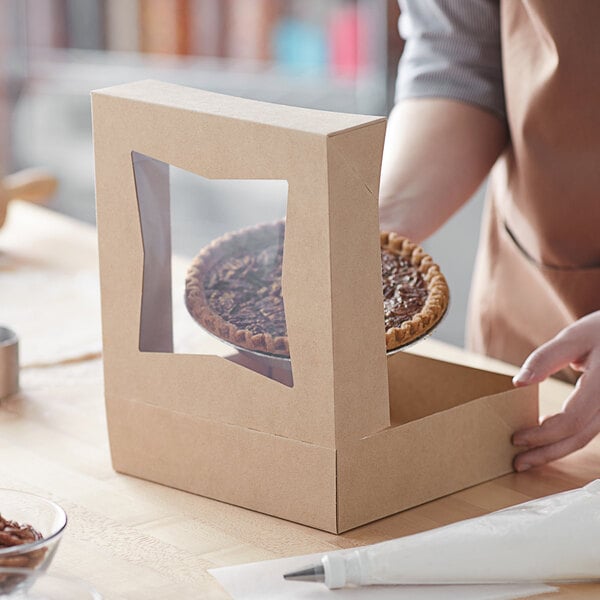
(452, 51)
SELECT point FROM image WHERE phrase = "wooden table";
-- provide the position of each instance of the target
(133, 539)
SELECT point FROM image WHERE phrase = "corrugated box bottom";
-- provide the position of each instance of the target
(434, 454)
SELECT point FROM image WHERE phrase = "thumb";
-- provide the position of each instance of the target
(551, 357)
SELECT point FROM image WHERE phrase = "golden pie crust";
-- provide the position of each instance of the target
(236, 246)
(438, 294)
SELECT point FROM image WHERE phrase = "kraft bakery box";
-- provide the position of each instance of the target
(342, 433)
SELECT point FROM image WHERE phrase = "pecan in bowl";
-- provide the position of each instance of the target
(30, 530)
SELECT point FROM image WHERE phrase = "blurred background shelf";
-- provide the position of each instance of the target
(73, 71)
(339, 55)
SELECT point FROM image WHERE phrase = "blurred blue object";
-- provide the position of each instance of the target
(300, 48)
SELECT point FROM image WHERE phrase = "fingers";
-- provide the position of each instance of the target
(567, 347)
(545, 454)
(579, 421)
(565, 432)
(580, 407)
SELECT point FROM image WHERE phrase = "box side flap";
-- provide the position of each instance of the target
(445, 352)
(411, 464)
(262, 472)
(317, 122)
(504, 412)
(419, 385)
(360, 376)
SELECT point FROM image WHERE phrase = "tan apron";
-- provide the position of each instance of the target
(538, 267)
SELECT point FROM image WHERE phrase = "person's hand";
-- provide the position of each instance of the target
(558, 435)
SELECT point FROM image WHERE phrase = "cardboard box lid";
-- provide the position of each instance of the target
(318, 122)
(331, 269)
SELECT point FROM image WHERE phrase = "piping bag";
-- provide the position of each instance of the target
(555, 539)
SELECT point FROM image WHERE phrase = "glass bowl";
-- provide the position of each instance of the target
(45, 516)
(33, 584)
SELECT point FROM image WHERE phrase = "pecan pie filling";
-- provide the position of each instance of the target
(246, 291)
(404, 289)
(233, 289)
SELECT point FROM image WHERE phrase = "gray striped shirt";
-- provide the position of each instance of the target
(452, 51)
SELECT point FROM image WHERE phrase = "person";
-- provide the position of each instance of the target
(510, 87)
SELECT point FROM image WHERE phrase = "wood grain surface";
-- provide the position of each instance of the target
(132, 539)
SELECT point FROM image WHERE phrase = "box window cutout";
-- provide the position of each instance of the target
(213, 252)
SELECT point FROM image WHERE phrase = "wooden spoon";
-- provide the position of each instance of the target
(30, 185)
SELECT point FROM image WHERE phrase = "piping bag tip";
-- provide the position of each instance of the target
(314, 573)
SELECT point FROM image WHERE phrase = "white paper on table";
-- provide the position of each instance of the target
(264, 581)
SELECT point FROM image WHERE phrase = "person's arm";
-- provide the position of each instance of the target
(437, 152)
(579, 421)
(448, 126)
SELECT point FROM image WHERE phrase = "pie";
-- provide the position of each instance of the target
(415, 293)
(233, 290)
